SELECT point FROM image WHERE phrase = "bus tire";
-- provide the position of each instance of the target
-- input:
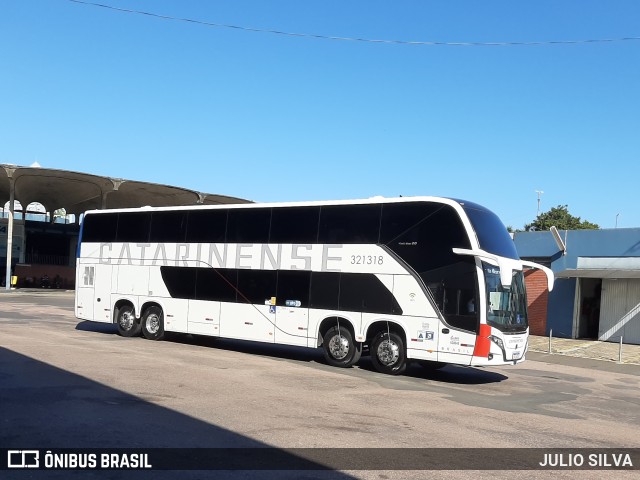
(128, 324)
(387, 353)
(153, 323)
(339, 348)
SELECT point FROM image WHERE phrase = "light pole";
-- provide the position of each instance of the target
(617, 215)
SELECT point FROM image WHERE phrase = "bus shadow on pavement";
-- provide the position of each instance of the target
(275, 351)
(109, 328)
(454, 374)
(457, 374)
(45, 407)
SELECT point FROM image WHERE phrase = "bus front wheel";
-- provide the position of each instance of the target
(128, 324)
(339, 348)
(387, 353)
(153, 323)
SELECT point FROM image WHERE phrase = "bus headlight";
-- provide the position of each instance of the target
(498, 341)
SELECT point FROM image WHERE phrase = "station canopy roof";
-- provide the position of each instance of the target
(603, 267)
(78, 192)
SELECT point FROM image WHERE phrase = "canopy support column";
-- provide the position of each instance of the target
(12, 195)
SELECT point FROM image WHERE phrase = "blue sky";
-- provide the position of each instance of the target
(278, 118)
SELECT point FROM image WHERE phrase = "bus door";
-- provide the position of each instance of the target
(84, 291)
(455, 346)
(102, 293)
(93, 292)
(456, 298)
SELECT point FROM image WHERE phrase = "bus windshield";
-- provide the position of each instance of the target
(491, 233)
(506, 306)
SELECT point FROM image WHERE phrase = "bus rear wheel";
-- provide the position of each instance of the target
(339, 348)
(153, 323)
(387, 353)
(128, 324)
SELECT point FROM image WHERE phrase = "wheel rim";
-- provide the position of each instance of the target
(339, 347)
(126, 321)
(153, 323)
(388, 352)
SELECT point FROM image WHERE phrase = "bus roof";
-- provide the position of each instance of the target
(316, 203)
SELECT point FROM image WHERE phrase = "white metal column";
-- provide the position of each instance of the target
(10, 229)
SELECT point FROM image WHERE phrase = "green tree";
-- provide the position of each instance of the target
(560, 218)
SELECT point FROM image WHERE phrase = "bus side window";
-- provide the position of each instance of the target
(295, 225)
(325, 290)
(293, 287)
(454, 288)
(216, 284)
(180, 281)
(402, 223)
(424, 235)
(133, 227)
(206, 226)
(256, 286)
(100, 228)
(248, 226)
(170, 227)
(349, 224)
(364, 292)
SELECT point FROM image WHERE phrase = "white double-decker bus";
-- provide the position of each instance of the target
(430, 279)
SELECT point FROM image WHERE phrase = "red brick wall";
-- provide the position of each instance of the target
(537, 298)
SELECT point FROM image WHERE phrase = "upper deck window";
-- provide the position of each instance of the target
(100, 227)
(349, 224)
(424, 234)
